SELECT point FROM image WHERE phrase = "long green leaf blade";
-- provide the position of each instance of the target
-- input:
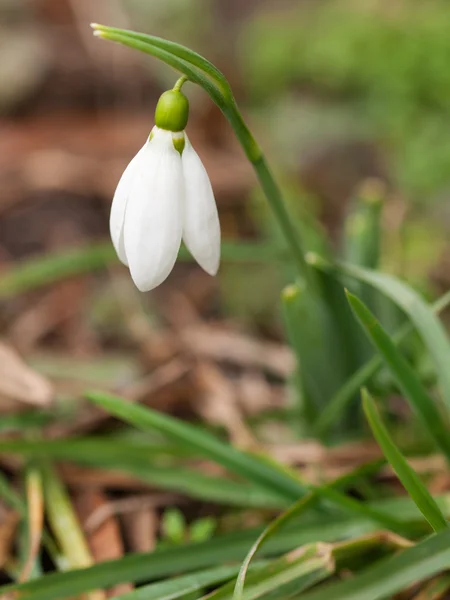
(392, 575)
(409, 478)
(426, 323)
(268, 477)
(44, 270)
(135, 460)
(345, 394)
(220, 550)
(178, 50)
(404, 375)
(179, 587)
(285, 576)
(275, 480)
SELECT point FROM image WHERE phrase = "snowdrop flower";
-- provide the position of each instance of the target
(165, 196)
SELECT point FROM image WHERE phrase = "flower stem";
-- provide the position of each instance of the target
(180, 82)
(269, 186)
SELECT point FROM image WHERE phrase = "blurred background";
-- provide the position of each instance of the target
(336, 91)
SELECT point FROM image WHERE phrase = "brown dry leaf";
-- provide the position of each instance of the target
(236, 348)
(219, 405)
(105, 542)
(141, 529)
(161, 389)
(20, 385)
(254, 393)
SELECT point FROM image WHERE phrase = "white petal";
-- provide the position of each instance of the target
(153, 219)
(201, 227)
(119, 204)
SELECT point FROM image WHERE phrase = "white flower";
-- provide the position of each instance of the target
(162, 197)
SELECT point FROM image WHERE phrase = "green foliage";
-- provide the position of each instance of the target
(385, 65)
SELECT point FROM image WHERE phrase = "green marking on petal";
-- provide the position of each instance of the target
(179, 142)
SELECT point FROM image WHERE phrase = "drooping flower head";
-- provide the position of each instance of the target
(164, 196)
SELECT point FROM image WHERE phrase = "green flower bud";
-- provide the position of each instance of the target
(172, 111)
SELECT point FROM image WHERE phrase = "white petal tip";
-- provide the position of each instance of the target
(145, 285)
(211, 269)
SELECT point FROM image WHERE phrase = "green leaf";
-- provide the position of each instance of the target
(292, 512)
(310, 332)
(362, 226)
(145, 43)
(64, 521)
(180, 586)
(391, 575)
(426, 323)
(284, 577)
(219, 550)
(173, 526)
(44, 270)
(405, 376)
(182, 52)
(345, 395)
(268, 475)
(137, 461)
(275, 480)
(409, 478)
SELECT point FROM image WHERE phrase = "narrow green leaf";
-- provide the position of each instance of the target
(408, 382)
(285, 576)
(267, 475)
(63, 521)
(293, 511)
(178, 50)
(309, 330)
(136, 460)
(144, 44)
(409, 478)
(44, 270)
(426, 323)
(10, 496)
(343, 397)
(275, 480)
(391, 575)
(362, 228)
(219, 550)
(179, 587)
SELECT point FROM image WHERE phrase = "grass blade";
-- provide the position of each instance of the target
(44, 270)
(409, 478)
(393, 574)
(135, 460)
(35, 520)
(345, 394)
(309, 330)
(405, 376)
(426, 323)
(186, 54)
(268, 477)
(293, 511)
(284, 576)
(220, 550)
(179, 587)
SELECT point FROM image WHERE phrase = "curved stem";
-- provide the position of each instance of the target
(200, 71)
(179, 83)
(269, 185)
